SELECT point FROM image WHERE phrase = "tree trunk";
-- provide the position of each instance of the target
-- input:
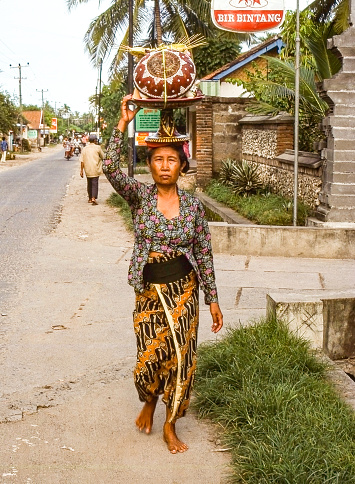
(158, 23)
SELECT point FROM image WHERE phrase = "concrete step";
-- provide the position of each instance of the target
(344, 177)
(344, 132)
(349, 64)
(343, 81)
(341, 215)
(342, 201)
(342, 143)
(346, 121)
(339, 156)
(343, 189)
(342, 97)
(341, 109)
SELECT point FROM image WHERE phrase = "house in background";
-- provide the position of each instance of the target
(33, 129)
(247, 61)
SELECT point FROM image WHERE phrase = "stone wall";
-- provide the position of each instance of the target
(338, 192)
(267, 142)
(223, 130)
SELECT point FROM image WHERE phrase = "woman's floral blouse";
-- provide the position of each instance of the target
(187, 233)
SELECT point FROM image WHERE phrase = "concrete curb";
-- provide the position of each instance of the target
(238, 236)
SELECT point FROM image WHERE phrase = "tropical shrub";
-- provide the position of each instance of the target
(243, 178)
(246, 179)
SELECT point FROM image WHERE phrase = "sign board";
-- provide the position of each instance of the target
(247, 15)
(148, 120)
(54, 125)
(32, 133)
(141, 136)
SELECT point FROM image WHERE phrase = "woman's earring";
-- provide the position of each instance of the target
(182, 173)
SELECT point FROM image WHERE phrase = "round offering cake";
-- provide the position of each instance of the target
(165, 74)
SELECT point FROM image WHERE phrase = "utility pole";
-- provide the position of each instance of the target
(130, 88)
(99, 109)
(43, 124)
(297, 103)
(19, 67)
(96, 113)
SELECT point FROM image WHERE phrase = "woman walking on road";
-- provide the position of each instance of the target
(171, 258)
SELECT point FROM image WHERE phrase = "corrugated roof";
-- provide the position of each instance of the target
(34, 118)
(244, 58)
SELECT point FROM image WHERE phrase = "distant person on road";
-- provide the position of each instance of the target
(60, 138)
(4, 148)
(91, 162)
(84, 140)
(172, 258)
(77, 143)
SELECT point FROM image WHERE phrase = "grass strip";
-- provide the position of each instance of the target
(263, 208)
(115, 200)
(281, 416)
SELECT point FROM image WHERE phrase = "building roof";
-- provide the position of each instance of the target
(34, 119)
(245, 58)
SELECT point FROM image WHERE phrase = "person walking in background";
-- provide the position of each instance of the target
(4, 148)
(91, 162)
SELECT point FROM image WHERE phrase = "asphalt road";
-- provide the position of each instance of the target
(29, 209)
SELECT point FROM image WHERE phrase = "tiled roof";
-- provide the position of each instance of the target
(34, 118)
(244, 58)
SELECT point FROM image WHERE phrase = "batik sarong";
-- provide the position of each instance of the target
(166, 324)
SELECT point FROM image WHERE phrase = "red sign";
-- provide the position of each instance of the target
(247, 15)
(54, 125)
(140, 138)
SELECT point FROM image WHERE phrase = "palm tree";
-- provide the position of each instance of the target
(335, 10)
(177, 18)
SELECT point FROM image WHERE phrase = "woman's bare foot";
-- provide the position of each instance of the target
(174, 444)
(145, 418)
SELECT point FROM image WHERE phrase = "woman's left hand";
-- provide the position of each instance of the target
(217, 317)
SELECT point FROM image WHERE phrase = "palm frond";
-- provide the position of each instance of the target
(342, 15)
(326, 62)
(262, 108)
(73, 3)
(324, 9)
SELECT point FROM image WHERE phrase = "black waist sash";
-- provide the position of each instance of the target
(167, 271)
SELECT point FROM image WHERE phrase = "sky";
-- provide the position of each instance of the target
(44, 34)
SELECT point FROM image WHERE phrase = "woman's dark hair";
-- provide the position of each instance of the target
(179, 150)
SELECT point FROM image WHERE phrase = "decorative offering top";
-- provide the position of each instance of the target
(166, 74)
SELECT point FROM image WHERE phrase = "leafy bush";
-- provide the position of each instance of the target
(242, 177)
(246, 179)
(226, 172)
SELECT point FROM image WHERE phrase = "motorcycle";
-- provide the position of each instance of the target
(77, 151)
(68, 154)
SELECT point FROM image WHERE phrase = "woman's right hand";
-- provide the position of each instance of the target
(126, 113)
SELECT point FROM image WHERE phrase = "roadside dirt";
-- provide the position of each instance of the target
(70, 404)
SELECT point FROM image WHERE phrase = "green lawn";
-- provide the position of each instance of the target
(264, 208)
